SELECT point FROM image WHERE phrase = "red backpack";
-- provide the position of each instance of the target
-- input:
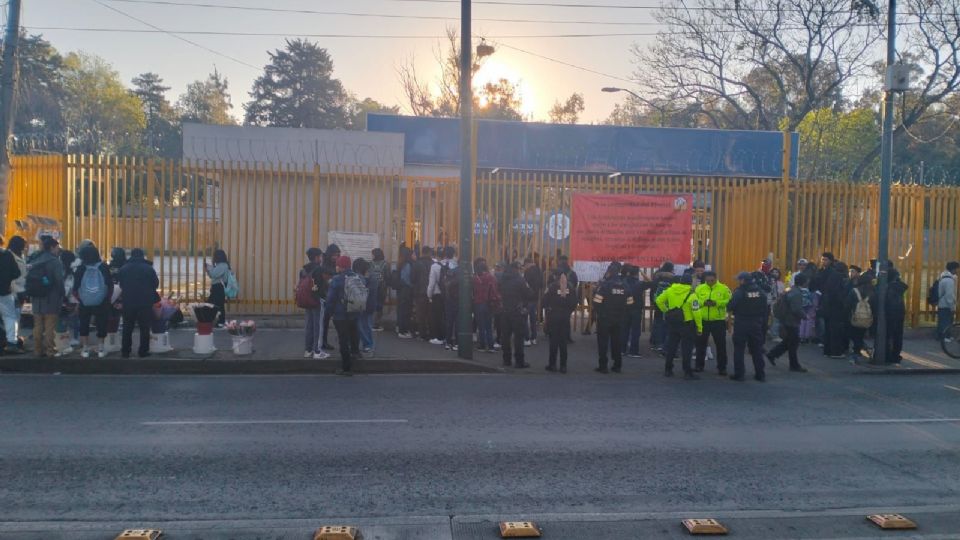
(305, 295)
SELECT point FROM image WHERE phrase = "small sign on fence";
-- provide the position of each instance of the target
(354, 244)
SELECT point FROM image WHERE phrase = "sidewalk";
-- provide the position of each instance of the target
(278, 349)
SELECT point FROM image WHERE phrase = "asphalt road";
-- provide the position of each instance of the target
(257, 450)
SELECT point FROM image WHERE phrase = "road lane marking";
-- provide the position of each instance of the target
(905, 420)
(266, 422)
(951, 387)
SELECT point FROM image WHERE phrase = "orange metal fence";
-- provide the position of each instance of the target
(266, 217)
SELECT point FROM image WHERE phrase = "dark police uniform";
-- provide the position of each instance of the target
(611, 302)
(749, 308)
(513, 319)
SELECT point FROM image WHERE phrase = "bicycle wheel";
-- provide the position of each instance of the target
(951, 342)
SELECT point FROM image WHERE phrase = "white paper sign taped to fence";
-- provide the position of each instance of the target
(355, 244)
(590, 271)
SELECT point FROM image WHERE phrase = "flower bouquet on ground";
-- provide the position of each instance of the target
(242, 333)
(205, 314)
(241, 328)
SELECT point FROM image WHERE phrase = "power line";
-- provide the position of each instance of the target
(564, 63)
(315, 35)
(174, 35)
(376, 15)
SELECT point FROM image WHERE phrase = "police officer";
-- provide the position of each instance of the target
(713, 297)
(684, 320)
(749, 307)
(610, 303)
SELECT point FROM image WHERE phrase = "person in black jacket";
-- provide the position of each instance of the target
(533, 275)
(632, 323)
(313, 319)
(860, 288)
(896, 313)
(833, 307)
(610, 303)
(138, 283)
(9, 271)
(421, 302)
(516, 294)
(559, 302)
(795, 301)
(749, 307)
(90, 261)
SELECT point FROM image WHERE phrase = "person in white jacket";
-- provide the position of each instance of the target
(947, 299)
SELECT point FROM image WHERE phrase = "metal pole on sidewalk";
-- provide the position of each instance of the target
(8, 96)
(886, 172)
(464, 326)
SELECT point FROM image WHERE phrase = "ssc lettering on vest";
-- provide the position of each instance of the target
(619, 292)
(753, 295)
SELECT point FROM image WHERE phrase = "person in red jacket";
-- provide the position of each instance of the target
(486, 302)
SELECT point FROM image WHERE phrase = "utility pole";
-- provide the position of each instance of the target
(886, 172)
(464, 327)
(8, 92)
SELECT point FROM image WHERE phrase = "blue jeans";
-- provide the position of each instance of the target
(365, 330)
(484, 325)
(11, 317)
(944, 322)
(532, 320)
(658, 334)
(313, 326)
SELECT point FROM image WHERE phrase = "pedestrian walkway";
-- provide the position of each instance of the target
(279, 349)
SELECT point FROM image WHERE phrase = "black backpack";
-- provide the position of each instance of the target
(37, 283)
(933, 295)
(674, 316)
(449, 281)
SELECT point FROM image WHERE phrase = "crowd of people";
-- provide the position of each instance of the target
(828, 303)
(71, 293)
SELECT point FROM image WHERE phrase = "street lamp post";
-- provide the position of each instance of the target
(464, 327)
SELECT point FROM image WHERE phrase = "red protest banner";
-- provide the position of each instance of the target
(643, 230)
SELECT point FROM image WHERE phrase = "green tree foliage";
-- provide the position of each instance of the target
(569, 111)
(207, 101)
(39, 87)
(832, 143)
(297, 89)
(162, 134)
(360, 109)
(99, 111)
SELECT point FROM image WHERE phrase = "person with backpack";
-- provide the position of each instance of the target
(533, 275)
(945, 299)
(662, 280)
(220, 275)
(93, 287)
(684, 321)
(791, 310)
(611, 302)
(346, 301)
(403, 283)
(379, 274)
(45, 287)
(486, 302)
(330, 257)
(138, 283)
(750, 308)
(859, 307)
(421, 297)
(311, 293)
(9, 273)
(450, 293)
(436, 328)
(714, 297)
(365, 320)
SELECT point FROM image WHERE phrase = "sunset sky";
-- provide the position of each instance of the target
(366, 65)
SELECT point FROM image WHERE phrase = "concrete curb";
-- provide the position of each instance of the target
(181, 366)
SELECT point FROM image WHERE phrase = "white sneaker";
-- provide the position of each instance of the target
(84, 354)
(948, 340)
(308, 354)
(436, 341)
(533, 341)
(322, 355)
(455, 348)
(405, 336)
(527, 343)
(496, 346)
(101, 354)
